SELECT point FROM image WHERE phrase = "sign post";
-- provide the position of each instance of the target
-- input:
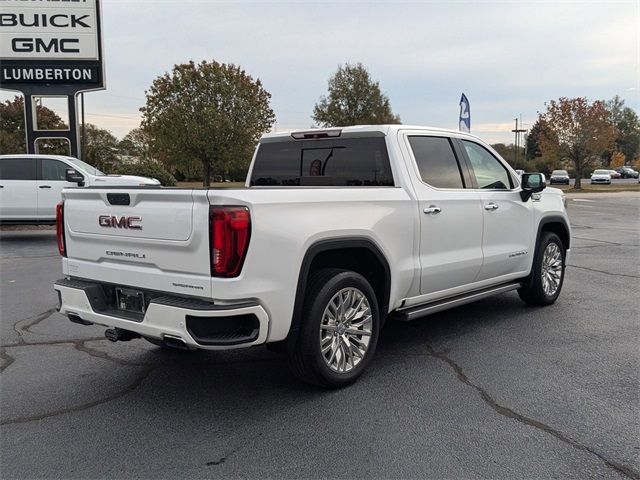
(51, 49)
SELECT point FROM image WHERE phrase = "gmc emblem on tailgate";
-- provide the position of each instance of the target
(113, 221)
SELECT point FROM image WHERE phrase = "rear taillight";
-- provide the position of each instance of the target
(229, 232)
(60, 229)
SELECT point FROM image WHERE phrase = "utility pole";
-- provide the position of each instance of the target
(517, 131)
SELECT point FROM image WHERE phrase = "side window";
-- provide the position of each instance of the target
(18, 169)
(54, 170)
(489, 172)
(436, 161)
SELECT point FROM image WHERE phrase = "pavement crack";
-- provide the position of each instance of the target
(39, 318)
(221, 460)
(7, 359)
(85, 406)
(608, 242)
(509, 413)
(79, 344)
(605, 272)
(45, 343)
(35, 319)
(575, 225)
(604, 245)
(82, 347)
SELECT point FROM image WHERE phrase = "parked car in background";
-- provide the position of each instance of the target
(31, 185)
(559, 176)
(614, 174)
(601, 176)
(627, 172)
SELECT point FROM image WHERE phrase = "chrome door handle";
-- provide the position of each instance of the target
(45, 186)
(432, 209)
(491, 206)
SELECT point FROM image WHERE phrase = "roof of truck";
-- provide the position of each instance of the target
(357, 130)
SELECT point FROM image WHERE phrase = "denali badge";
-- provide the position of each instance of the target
(114, 221)
(113, 253)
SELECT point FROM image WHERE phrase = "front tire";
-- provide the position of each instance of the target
(544, 284)
(339, 329)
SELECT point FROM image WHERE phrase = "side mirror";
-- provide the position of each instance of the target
(74, 176)
(532, 183)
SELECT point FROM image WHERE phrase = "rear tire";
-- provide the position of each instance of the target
(338, 331)
(544, 284)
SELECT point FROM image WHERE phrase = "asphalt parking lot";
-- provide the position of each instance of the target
(493, 389)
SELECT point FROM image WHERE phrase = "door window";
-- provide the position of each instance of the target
(436, 161)
(54, 170)
(488, 170)
(18, 169)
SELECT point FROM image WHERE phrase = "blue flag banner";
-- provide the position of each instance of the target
(465, 114)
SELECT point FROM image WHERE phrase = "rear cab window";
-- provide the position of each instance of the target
(334, 162)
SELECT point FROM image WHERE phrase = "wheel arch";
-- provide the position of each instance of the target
(346, 252)
(556, 224)
(551, 223)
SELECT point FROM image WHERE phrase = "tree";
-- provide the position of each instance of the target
(576, 130)
(100, 148)
(136, 143)
(617, 160)
(509, 152)
(12, 128)
(615, 107)
(627, 125)
(353, 99)
(533, 142)
(628, 134)
(542, 161)
(210, 112)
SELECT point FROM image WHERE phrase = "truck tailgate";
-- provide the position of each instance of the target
(149, 238)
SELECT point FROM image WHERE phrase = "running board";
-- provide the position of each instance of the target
(451, 302)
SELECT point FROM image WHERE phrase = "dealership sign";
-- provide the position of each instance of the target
(53, 43)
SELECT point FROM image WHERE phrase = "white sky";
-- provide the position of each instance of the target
(509, 57)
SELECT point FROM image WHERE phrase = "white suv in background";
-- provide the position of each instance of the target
(31, 185)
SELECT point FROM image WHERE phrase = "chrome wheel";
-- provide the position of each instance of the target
(551, 269)
(345, 330)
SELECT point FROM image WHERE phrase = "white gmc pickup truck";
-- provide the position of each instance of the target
(334, 231)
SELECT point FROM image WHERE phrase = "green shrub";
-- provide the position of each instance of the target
(148, 169)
